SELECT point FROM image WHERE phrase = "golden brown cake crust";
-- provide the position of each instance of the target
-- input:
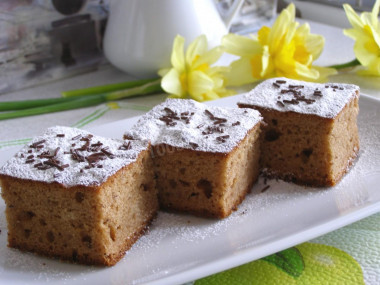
(205, 157)
(93, 224)
(207, 184)
(309, 149)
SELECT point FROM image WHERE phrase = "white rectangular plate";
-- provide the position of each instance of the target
(181, 248)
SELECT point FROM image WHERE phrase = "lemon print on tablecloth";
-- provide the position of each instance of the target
(308, 263)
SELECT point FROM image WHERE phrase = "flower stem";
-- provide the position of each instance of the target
(352, 63)
(69, 105)
(26, 104)
(105, 88)
(85, 101)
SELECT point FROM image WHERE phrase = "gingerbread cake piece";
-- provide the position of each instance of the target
(311, 136)
(205, 158)
(78, 197)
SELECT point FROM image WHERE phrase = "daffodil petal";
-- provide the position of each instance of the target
(240, 45)
(197, 48)
(211, 96)
(352, 17)
(366, 33)
(375, 13)
(177, 57)
(171, 83)
(210, 57)
(376, 36)
(241, 73)
(314, 44)
(199, 83)
(306, 73)
(280, 27)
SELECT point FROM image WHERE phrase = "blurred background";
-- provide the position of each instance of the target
(46, 40)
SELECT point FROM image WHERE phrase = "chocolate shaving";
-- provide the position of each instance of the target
(265, 189)
(211, 130)
(293, 101)
(307, 101)
(236, 123)
(281, 103)
(54, 164)
(219, 121)
(43, 167)
(193, 145)
(76, 137)
(30, 161)
(60, 135)
(294, 92)
(209, 114)
(95, 157)
(276, 85)
(56, 151)
(37, 144)
(77, 156)
(85, 146)
(222, 139)
(170, 111)
(87, 138)
(125, 146)
(97, 144)
(280, 81)
(296, 86)
(169, 121)
(106, 152)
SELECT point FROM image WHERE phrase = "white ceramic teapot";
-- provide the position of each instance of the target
(140, 33)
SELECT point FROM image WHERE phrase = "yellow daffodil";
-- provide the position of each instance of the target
(366, 33)
(192, 74)
(284, 50)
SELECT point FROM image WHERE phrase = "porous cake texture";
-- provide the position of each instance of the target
(205, 158)
(79, 197)
(311, 135)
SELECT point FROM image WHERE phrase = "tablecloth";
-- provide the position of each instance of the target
(348, 255)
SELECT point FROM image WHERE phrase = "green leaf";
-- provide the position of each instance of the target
(289, 260)
(352, 63)
(106, 88)
(43, 106)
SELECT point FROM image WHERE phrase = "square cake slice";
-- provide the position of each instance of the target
(205, 158)
(311, 136)
(78, 197)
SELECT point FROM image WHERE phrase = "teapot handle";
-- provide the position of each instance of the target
(231, 13)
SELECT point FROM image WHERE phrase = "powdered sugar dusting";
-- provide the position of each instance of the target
(72, 157)
(192, 125)
(178, 244)
(282, 94)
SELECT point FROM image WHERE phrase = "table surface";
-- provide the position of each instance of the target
(338, 49)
